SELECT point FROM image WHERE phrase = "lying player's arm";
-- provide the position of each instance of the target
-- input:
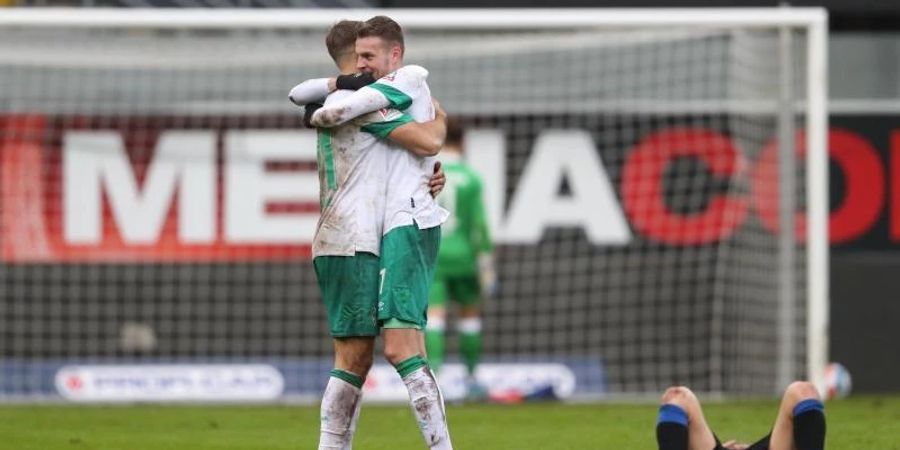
(423, 139)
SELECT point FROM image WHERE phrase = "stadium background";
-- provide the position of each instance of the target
(864, 70)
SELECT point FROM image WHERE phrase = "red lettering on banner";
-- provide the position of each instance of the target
(72, 191)
(143, 189)
(642, 190)
(864, 186)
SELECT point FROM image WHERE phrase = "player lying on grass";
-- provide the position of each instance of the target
(799, 425)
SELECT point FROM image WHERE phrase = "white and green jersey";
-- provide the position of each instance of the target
(409, 197)
(352, 182)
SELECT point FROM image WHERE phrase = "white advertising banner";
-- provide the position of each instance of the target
(163, 383)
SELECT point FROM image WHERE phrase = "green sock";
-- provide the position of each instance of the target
(349, 377)
(434, 344)
(470, 349)
(410, 365)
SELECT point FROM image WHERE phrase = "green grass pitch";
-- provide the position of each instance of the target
(855, 423)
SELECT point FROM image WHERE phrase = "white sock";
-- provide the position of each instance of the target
(352, 431)
(428, 408)
(339, 403)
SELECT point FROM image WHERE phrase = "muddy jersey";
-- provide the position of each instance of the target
(352, 161)
(409, 195)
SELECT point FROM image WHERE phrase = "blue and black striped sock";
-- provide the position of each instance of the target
(809, 425)
(672, 428)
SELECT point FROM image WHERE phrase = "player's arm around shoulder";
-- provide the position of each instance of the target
(423, 139)
(310, 91)
(361, 102)
(410, 73)
(402, 86)
(315, 90)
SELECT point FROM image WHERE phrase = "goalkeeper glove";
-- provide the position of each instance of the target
(355, 81)
(308, 113)
(487, 275)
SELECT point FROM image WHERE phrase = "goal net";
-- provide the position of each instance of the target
(654, 181)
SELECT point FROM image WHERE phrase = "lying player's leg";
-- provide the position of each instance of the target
(681, 425)
(800, 424)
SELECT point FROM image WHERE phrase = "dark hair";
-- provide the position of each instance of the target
(341, 38)
(385, 28)
(454, 132)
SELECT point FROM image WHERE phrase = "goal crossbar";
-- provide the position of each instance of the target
(463, 18)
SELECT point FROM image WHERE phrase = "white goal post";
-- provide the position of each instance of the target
(624, 76)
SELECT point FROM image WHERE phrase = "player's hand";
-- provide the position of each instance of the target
(307, 115)
(438, 111)
(734, 445)
(355, 81)
(438, 180)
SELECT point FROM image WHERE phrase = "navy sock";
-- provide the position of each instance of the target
(809, 425)
(671, 428)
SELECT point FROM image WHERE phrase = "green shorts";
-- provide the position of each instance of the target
(349, 286)
(463, 289)
(408, 256)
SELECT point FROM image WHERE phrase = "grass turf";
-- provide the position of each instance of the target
(855, 423)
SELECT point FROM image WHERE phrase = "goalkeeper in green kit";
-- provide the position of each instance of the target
(465, 270)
